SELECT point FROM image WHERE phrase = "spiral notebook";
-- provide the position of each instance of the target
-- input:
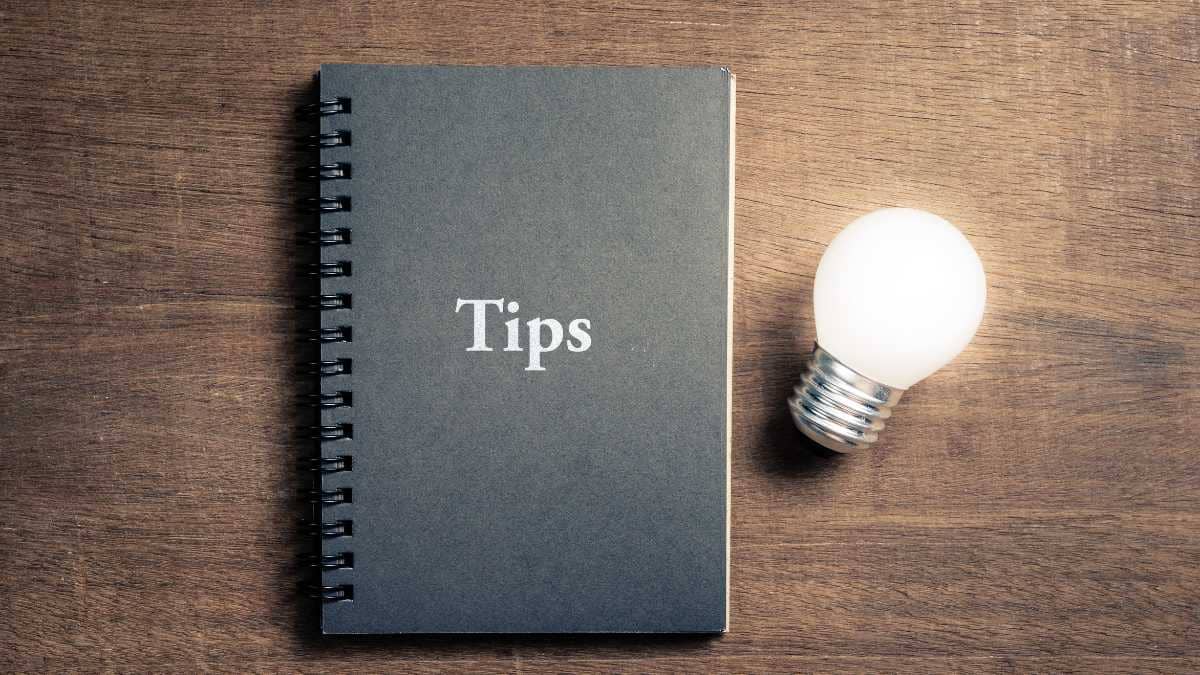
(525, 348)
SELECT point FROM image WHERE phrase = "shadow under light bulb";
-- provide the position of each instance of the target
(897, 295)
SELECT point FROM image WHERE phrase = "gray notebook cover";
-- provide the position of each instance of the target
(499, 485)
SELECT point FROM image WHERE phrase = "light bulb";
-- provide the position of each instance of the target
(897, 295)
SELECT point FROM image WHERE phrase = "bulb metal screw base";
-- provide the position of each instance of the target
(837, 407)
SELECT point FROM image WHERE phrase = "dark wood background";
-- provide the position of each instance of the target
(1034, 506)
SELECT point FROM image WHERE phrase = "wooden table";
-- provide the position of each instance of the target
(1034, 506)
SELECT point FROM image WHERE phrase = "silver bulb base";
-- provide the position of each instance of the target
(837, 407)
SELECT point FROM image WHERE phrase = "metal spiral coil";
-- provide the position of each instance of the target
(338, 171)
(327, 301)
(331, 529)
(330, 399)
(329, 593)
(326, 204)
(330, 432)
(328, 464)
(329, 561)
(341, 268)
(326, 237)
(327, 334)
(327, 367)
(342, 495)
(320, 495)
(328, 139)
(323, 107)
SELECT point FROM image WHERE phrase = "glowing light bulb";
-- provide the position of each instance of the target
(897, 295)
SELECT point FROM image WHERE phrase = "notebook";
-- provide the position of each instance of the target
(524, 369)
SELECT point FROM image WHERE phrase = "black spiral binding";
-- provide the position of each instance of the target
(331, 367)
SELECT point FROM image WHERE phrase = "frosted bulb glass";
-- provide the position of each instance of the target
(897, 295)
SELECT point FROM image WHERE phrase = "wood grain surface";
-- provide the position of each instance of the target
(1033, 506)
